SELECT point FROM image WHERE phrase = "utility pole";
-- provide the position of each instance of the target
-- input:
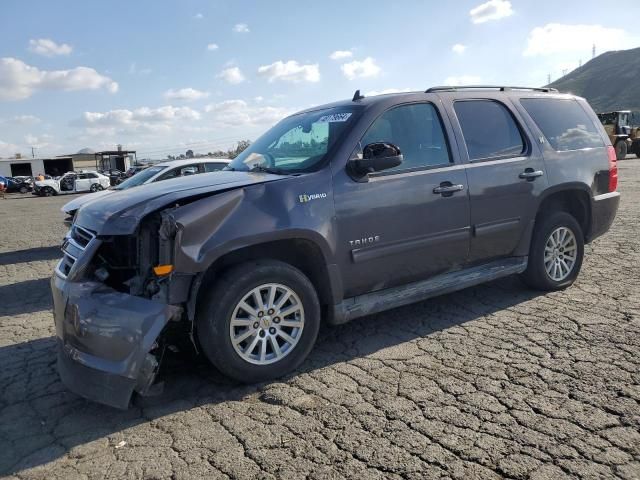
(548, 78)
(580, 63)
(33, 154)
(593, 51)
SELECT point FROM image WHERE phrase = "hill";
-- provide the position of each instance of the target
(610, 81)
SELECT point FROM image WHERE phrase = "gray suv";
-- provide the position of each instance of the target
(337, 212)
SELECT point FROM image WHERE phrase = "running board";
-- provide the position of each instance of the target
(375, 302)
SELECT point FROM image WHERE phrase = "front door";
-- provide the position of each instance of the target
(409, 222)
(506, 175)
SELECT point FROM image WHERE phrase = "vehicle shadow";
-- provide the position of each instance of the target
(41, 421)
(28, 296)
(30, 255)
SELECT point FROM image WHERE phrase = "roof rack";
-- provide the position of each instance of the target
(502, 88)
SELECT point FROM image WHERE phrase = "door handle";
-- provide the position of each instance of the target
(530, 174)
(446, 189)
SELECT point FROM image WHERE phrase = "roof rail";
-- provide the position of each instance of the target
(502, 88)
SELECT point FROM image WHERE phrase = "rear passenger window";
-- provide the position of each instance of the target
(417, 130)
(489, 129)
(564, 123)
(214, 167)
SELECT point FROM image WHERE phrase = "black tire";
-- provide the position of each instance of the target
(621, 149)
(93, 187)
(218, 300)
(536, 275)
(24, 189)
(48, 191)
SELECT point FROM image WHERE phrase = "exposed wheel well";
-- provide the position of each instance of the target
(300, 253)
(575, 202)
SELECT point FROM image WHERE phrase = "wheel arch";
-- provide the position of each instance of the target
(573, 198)
(301, 252)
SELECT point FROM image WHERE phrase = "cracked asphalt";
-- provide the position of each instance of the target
(491, 382)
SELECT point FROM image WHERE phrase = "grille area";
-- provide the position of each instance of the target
(75, 243)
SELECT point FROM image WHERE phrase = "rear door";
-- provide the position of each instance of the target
(402, 224)
(506, 174)
(83, 182)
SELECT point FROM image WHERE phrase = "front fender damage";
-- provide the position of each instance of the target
(109, 341)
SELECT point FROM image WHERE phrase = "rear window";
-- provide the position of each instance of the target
(564, 123)
(489, 129)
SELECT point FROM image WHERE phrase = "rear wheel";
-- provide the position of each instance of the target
(48, 191)
(258, 321)
(94, 187)
(23, 189)
(556, 253)
(621, 149)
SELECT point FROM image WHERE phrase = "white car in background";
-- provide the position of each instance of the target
(72, 182)
(154, 173)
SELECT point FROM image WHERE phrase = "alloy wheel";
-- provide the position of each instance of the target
(560, 254)
(266, 324)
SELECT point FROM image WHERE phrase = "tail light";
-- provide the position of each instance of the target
(613, 169)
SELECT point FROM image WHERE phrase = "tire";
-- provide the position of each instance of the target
(48, 192)
(536, 275)
(93, 187)
(24, 189)
(621, 149)
(220, 301)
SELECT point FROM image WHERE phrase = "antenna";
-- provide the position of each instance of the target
(357, 96)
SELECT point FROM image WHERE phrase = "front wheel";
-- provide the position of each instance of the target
(24, 189)
(94, 187)
(258, 321)
(621, 149)
(556, 253)
(49, 192)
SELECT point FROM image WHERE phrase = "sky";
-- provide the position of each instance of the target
(161, 77)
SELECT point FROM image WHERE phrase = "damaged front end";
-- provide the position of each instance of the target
(112, 311)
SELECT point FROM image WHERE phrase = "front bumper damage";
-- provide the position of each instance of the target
(105, 339)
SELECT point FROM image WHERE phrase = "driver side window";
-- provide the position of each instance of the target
(417, 130)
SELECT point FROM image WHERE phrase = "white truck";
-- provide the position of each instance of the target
(72, 182)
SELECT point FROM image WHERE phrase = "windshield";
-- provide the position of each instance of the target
(139, 178)
(297, 144)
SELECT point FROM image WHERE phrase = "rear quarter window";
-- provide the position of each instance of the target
(564, 123)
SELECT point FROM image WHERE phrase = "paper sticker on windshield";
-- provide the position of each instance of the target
(334, 117)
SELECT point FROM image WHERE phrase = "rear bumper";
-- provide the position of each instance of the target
(104, 340)
(603, 212)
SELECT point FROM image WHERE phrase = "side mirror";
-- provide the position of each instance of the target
(377, 157)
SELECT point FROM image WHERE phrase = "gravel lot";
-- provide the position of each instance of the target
(494, 381)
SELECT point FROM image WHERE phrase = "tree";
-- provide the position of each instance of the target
(189, 154)
(241, 146)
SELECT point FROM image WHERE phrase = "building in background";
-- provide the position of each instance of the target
(85, 159)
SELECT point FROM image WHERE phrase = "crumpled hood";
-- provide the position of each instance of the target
(120, 212)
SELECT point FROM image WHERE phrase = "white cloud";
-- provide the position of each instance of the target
(232, 75)
(239, 113)
(8, 149)
(185, 94)
(212, 47)
(290, 71)
(559, 38)
(361, 69)
(19, 80)
(141, 121)
(341, 54)
(198, 16)
(26, 119)
(49, 48)
(458, 48)
(491, 10)
(134, 70)
(386, 91)
(42, 141)
(241, 28)
(462, 80)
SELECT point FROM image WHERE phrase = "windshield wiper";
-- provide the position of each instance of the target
(273, 170)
